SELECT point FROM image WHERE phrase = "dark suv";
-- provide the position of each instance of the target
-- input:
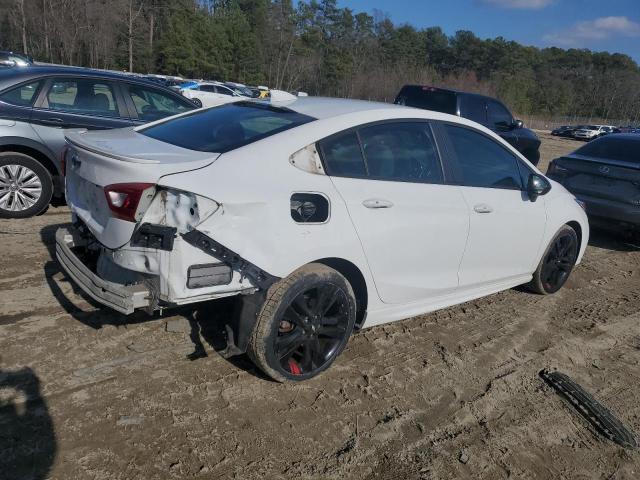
(484, 110)
(38, 102)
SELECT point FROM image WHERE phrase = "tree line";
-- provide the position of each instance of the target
(317, 47)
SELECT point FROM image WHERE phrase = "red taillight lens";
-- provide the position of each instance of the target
(123, 199)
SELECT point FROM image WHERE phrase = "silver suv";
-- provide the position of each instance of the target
(38, 102)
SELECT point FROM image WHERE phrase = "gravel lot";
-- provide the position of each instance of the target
(86, 393)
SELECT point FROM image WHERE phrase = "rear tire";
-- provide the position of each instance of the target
(26, 186)
(557, 262)
(197, 102)
(304, 324)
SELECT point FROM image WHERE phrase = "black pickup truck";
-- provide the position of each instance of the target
(482, 109)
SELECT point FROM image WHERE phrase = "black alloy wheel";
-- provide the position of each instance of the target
(304, 323)
(311, 329)
(557, 263)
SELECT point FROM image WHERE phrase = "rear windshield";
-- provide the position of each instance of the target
(427, 98)
(613, 148)
(226, 128)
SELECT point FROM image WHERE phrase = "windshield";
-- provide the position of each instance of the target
(227, 127)
(624, 148)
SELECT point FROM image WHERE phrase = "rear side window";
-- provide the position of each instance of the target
(482, 162)
(227, 127)
(474, 108)
(342, 155)
(83, 96)
(613, 148)
(23, 96)
(152, 104)
(428, 98)
(402, 152)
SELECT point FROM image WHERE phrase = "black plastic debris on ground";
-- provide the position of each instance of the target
(595, 413)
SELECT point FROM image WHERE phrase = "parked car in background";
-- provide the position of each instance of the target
(210, 94)
(484, 110)
(564, 131)
(318, 213)
(14, 59)
(38, 102)
(590, 132)
(605, 175)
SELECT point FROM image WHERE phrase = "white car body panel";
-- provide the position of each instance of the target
(429, 251)
(506, 230)
(414, 246)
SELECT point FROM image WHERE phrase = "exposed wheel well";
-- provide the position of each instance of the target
(358, 283)
(39, 156)
(578, 229)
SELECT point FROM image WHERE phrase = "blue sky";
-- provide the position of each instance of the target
(609, 25)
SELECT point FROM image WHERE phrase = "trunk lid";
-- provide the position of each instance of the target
(596, 177)
(102, 158)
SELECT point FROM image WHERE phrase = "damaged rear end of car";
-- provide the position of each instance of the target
(142, 240)
(134, 243)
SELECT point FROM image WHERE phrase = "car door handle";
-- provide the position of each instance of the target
(483, 208)
(377, 203)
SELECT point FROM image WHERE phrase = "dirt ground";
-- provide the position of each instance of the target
(86, 393)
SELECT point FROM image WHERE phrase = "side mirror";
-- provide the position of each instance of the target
(518, 124)
(537, 185)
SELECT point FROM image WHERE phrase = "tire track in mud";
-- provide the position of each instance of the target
(410, 400)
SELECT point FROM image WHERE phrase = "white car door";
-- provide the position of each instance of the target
(412, 227)
(506, 227)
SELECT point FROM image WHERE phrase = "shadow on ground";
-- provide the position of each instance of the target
(27, 438)
(612, 240)
(206, 321)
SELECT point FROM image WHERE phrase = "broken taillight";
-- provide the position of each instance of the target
(123, 199)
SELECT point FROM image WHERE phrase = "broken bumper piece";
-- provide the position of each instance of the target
(122, 298)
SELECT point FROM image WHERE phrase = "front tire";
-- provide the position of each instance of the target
(26, 186)
(304, 324)
(557, 262)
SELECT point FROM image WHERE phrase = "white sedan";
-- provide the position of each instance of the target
(212, 94)
(321, 215)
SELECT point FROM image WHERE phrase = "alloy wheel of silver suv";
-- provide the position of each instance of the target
(25, 186)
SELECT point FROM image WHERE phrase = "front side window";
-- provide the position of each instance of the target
(499, 116)
(83, 96)
(227, 127)
(153, 104)
(403, 152)
(483, 162)
(474, 108)
(23, 96)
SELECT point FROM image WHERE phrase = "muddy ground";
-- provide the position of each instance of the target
(88, 394)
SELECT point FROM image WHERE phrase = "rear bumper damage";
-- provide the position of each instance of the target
(146, 291)
(122, 298)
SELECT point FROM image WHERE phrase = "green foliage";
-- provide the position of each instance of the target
(316, 46)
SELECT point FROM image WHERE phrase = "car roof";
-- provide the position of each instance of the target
(324, 107)
(11, 76)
